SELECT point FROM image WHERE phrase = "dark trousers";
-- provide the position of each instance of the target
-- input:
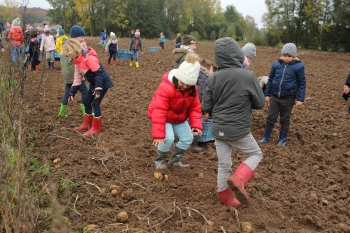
(161, 44)
(283, 107)
(92, 103)
(111, 54)
(35, 62)
(83, 90)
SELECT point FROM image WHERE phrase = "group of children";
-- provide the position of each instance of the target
(228, 96)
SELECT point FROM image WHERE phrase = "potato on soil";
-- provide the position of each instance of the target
(91, 228)
(113, 187)
(158, 175)
(246, 227)
(122, 217)
(210, 223)
(114, 192)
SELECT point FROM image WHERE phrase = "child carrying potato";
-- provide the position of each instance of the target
(89, 66)
(175, 101)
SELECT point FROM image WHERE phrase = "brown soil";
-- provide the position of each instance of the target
(303, 187)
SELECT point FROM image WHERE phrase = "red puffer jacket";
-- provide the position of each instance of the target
(170, 105)
(15, 35)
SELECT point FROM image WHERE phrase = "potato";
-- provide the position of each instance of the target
(122, 217)
(113, 187)
(91, 228)
(246, 227)
(201, 175)
(114, 192)
(166, 177)
(210, 223)
(158, 175)
(56, 160)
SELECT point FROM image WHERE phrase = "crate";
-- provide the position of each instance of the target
(154, 49)
(124, 54)
(206, 133)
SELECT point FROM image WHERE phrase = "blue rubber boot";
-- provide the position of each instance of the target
(283, 138)
(267, 136)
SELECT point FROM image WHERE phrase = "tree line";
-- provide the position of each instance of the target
(311, 24)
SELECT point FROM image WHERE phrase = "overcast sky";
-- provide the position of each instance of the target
(254, 8)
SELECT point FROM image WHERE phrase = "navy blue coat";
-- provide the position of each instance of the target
(287, 81)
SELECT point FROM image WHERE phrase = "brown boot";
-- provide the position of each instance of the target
(37, 68)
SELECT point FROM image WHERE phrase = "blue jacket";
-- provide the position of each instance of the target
(287, 81)
(103, 36)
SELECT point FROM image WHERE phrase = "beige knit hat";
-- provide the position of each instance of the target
(16, 22)
(188, 71)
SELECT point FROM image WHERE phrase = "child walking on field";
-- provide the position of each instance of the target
(162, 40)
(87, 63)
(112, 48)
(286, 84)
(48, 44)
(135, 46)
(230, 94)
(68, 71)
(34, 51)
(174, 102)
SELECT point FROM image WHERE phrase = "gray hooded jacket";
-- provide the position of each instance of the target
(231, 93)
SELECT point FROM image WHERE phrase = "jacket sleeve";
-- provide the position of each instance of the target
(301, 81)
(158, 110)
(207, 101)
(202, 78)
(140, 44)
(347, 81)
(107, 45)
(257, 95)
(194, 113)
(132, 41)
(78, 79)
(42, 43)
(271, 77)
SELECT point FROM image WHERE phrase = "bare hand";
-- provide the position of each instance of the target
(206, 117)
(197, 130)
(96, 96)
(70, 99)
(346, 89)
(267, 98)
(157, 142)
(298, 103)
(141, 52)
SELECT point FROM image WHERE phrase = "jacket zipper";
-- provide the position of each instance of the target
(284, 70)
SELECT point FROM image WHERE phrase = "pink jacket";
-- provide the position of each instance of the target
(47, 43)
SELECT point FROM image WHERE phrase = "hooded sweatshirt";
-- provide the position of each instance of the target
(15, 36)
(231, 93)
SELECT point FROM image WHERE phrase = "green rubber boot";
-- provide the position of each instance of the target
(82, 107)
(63, 111)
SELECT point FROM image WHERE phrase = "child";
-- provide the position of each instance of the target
(135, 46)
(16, 38)
(89, 67)
(34, 51)
(132, 34)
(347, 90)
(188, 46)
(249, 50)
(162, 40)
(59, 41)
(112, 47)
(231, 111)
(178, 41)
(286, 84)
(103, 37)
(48, 44)
(68, 71)
(2, 47)
(175, 101)
(205, 70)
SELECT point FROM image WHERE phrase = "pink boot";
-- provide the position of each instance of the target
(227, 198)
(238, 180)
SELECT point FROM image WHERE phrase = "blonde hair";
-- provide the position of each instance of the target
(206, 63)
(72, 48)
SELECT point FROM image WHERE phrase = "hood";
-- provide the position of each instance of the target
(227, 53)
(87, 54)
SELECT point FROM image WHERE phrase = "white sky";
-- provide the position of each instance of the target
(254, 8)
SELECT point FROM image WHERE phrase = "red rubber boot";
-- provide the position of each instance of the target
(227, 198)
(96, 126)
(86, 123)
(238, 180)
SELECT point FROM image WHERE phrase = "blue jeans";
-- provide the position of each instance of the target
(183, 131)
(91, 103)
(83, 90)
(16, 53)
(135, 54)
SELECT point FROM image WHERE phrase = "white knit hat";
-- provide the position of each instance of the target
(112, 34)
(16, 22)
(188, 71)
